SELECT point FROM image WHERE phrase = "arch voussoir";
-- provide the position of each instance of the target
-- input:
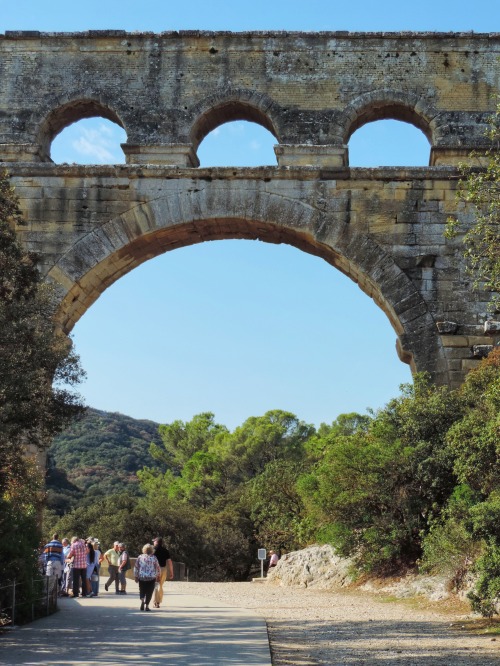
(138, 221)
(116, 233)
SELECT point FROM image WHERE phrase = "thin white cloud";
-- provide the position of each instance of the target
(95, 143)
(105, 129)
(236, 128)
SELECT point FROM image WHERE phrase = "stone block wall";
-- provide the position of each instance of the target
(169, 90)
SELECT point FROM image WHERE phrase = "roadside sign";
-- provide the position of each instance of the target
(261, 554)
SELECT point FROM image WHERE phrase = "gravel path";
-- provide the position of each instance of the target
(342, 628)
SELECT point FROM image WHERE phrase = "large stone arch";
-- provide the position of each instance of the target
(186, 217)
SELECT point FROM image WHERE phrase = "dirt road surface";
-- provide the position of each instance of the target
(343, 628)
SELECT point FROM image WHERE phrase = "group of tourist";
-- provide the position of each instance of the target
(76, 565)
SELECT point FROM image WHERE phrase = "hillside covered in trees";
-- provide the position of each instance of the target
(98, 455)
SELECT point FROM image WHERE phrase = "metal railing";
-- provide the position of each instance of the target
(22, 602)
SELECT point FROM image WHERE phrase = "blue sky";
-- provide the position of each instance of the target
(240, 327)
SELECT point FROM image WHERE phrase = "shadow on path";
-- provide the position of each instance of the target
(109, 630)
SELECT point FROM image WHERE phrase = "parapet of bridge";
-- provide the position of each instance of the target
(382, 227)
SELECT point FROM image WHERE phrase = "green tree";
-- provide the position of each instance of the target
(374, 492)
(37, 367)
(450, 547)
(467, 535)
(195, 472)
(221, 461)
(213, 483)
(474, 444)
(344, 425)
(181, 440)
(278, 435)
(474, 441)
(481, 189)
(275, 505)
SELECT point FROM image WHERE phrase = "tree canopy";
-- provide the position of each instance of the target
(38, 370)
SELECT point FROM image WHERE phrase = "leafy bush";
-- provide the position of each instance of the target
(374, 492)
(450, 547)
(486, 594)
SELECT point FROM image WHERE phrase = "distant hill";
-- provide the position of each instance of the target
(98, 455)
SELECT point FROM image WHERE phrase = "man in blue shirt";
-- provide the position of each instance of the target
(54, 558)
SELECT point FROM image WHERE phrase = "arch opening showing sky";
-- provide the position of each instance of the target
(89, 141)
(388, 143)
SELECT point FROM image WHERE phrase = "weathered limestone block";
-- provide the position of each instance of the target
(448, 327)
(311, 155)
(170, 154)
(455, 341)
(470, 364)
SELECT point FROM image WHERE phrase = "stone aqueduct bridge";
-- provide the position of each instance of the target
(381, 227)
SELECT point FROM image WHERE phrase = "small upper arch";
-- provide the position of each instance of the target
(389, 104)
(69, 112)
(228, 106)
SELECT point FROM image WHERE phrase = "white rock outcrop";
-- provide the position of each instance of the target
(313, 567)
(318, 567)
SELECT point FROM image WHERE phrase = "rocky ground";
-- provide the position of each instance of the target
(309, 627)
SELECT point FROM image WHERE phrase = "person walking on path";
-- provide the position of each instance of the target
(166, 567)
(67, 577)
(112, 557)
(94, 579)
(78, 555)
(123, 567)
(54, 558)
(91, 562)
(146, 572)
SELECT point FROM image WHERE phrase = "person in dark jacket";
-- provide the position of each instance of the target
(123, 567)
(166, 566)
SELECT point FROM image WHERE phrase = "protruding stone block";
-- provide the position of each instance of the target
(311, 155)
(404, 355)
(492, 327)
(441, 156)
(168, 154)
(20, 152)
(481, 351)
(447, 327)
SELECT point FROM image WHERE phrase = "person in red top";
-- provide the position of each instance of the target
(78, 555)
